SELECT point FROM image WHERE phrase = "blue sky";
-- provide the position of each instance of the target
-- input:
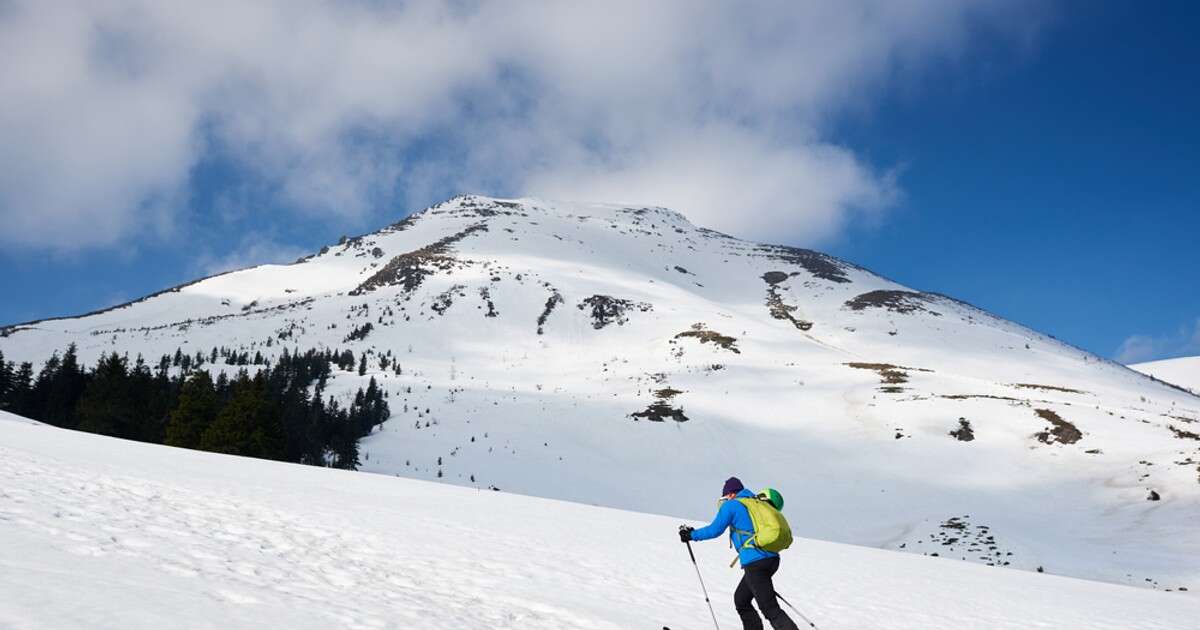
(1059, 191)
(1036, 159)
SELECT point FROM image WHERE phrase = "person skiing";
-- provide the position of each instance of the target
(757, 565)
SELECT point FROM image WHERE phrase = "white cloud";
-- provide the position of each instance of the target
(252, 250)
(1185, 341)
(716, 109)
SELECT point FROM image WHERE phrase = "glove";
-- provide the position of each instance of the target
(685, 533)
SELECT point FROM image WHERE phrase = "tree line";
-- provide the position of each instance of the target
(279, 412)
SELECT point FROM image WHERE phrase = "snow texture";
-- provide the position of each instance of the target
(1184, 371)
(103, 533)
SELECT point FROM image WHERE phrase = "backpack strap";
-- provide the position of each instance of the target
(748, 543)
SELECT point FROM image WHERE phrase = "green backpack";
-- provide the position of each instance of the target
(771, 530)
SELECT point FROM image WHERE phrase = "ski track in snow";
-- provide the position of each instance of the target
(102, 533)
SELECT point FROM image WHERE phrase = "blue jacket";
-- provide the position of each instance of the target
(733, 513)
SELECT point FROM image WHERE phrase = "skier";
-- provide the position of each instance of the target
(757, 565)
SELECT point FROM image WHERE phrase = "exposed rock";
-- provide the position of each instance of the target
(964, 432)
(408, 270)
(820, 265)
(551, 302)
(903, 302)
(606, 309)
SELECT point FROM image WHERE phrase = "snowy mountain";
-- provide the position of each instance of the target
(102, 533)
(626, 358)
(1183, 371)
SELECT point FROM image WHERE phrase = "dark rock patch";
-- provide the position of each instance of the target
(774, 277)
(660, 411)
(1182, 434)
(957, 536)
(551, 302)
(442, 302)
(781, 311)
(903, 302)
(970, 396)
(820, 265)
(606, 309)
(964, 432)
(485, 294)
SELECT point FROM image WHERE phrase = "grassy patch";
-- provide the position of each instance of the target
(699, 331)
(890, 376)
(1048, 388)
(1061, 431)
(969, 396)
(666, 394)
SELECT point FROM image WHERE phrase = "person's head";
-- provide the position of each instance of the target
(732, 487)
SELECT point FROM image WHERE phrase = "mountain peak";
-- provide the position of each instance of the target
(576, 350)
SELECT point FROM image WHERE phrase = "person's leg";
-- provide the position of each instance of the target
(758, 578)
(742, 596)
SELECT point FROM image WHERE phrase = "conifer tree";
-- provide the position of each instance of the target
(196, 410)
(247, 425)
(106, 406)
(21, 393)
(6, 382)
(58, 389)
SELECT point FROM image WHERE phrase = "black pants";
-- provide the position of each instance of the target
(756, 584)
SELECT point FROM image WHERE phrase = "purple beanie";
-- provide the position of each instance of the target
(733, 485)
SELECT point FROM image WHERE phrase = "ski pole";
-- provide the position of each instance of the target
(705, 590)
(796, 610)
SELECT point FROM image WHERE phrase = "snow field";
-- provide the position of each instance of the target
(103, 533)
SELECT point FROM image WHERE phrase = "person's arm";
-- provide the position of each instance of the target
(722, 522)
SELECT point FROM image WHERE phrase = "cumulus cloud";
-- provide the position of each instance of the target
(1185, 341)
(346, 109)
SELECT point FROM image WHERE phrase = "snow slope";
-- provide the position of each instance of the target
(103, 533)
(1183, 371)
(531, 333)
